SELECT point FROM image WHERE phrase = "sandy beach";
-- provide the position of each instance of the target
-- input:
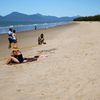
(69, 68)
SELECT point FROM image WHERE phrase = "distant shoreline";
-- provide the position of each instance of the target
(23, 28)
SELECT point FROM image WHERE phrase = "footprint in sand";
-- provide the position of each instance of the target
(48, 50)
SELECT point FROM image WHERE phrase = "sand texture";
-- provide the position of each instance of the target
(68, 69)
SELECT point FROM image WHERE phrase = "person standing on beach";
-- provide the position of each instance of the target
(35, 28)
(14, 41)
(10, 37)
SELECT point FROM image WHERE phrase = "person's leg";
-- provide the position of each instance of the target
(42, 41)
(14, 45)
(31, 59)
(39, 41)
(9, 60)
(14, 60)
(9, 43)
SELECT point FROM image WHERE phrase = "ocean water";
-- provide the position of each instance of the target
(21, 28)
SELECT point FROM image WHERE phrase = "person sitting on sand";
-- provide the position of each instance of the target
(16, 57)
(41, 39)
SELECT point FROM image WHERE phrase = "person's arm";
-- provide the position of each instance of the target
(14, 36)
(19, 52)
(42, 39)
(12, 54)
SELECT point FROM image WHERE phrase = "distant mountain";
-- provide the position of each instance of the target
(0, 17)
(16, 17)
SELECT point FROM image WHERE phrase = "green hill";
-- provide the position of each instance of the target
(88, 18)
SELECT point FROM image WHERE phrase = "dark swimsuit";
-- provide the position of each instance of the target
(20, 58)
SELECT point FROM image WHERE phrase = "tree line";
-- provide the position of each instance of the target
(88, 18)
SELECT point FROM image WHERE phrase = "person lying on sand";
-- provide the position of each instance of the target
(16, 57)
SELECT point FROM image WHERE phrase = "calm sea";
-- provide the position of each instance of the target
(21, 28)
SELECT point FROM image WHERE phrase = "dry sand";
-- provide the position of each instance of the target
(71, 70)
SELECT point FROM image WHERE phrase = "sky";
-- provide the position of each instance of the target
(57, 8)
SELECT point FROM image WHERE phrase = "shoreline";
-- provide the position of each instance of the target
(30, 27)
(71, 22)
